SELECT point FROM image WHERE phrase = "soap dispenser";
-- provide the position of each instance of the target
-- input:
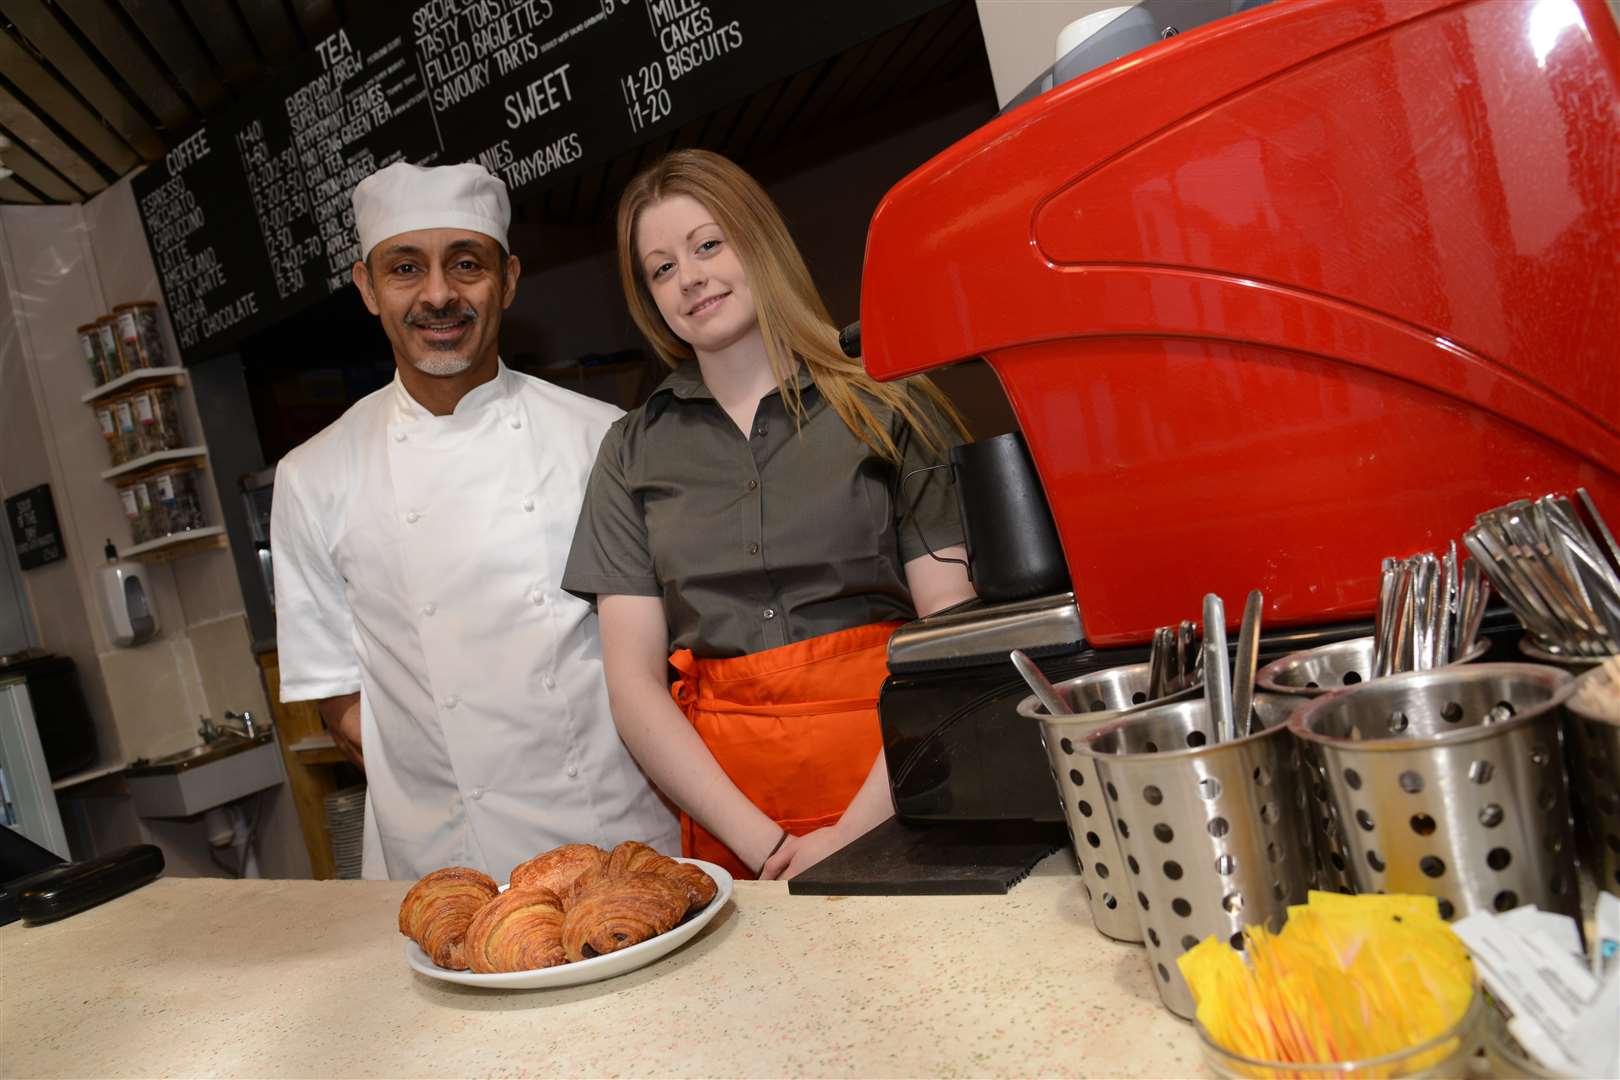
(124, 600)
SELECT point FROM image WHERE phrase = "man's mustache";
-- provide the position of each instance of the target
(444, 314)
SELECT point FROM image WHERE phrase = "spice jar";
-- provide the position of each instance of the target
(95, 353)
(140, 334)
(123, 411)
(174, 490)
(116, 448)
(157, 417)
(139, 510)
(117, 362)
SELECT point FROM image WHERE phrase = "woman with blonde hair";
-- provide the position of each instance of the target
(750, 517)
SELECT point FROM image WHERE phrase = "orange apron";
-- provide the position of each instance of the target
(794, 727)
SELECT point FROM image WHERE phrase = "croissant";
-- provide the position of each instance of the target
(634, 855)
(436, 911)
(700, 887)
(614, 913)
(559, 868)
(517, 931)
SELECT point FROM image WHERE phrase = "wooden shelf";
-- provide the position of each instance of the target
(155, 459)
(177, 545)
(138, 376)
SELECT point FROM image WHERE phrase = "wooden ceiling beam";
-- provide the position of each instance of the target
(21, 160)
(27, 128)
(102, 27)
(50, 97)
(165, 28)
(41, 30)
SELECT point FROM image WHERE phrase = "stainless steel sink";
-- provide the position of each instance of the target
(201, 754)
(204, 776)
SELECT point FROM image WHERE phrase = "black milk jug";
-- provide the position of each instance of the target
(1012, 543)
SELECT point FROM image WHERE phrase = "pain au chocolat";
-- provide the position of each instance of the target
(563, 905)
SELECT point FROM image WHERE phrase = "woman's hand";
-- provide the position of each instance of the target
(800, 853)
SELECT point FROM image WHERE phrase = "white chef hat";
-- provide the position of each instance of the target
(402, 197)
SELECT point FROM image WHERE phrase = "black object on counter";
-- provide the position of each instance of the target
(936, 860)
(67, 735)
(1012, 543)
(60, 891)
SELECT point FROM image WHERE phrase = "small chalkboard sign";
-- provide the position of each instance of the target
(34, 531)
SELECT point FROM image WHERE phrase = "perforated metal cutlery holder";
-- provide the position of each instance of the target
(1322, 670)
(1593, 756)
(1102, 696)
(1212, 835)
(1450, 784)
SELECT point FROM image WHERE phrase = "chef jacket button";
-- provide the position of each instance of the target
(528, 504)
(517, 422)
(572, 770)
(452, 701)
(769, 613)
(752, 484)
(753, 549)
(429, 608)
(399, 436)
(538, 597)
(477, 793)
(413, 517)
(551, 684)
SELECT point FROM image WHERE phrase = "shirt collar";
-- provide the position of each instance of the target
(475, 400)
(686, 382)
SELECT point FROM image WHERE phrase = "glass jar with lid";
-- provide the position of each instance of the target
(157, 417)
(95, 354)
(140, 334)
(178, 497)
(117, 363)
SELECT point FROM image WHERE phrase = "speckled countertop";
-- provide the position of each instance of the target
(201, 977)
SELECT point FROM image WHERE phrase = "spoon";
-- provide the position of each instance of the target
(1050, 697)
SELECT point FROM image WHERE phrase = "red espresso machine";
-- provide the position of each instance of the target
(1272, 299)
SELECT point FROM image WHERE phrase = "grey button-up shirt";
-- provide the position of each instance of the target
(760, 539)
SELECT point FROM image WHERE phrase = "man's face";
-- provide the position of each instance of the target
(439, 294)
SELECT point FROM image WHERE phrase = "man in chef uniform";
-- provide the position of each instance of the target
(419, 548)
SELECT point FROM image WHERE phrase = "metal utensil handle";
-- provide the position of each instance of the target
(1050, 696)
(917, 522)
(1217, 676)
(1248, 652)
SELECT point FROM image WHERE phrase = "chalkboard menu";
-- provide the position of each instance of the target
(249, 218)
(34, 530)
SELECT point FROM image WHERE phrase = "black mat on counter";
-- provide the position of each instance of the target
(933, 860)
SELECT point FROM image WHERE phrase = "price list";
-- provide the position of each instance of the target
(534, 90)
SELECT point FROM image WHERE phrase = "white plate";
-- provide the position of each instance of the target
(597, 967)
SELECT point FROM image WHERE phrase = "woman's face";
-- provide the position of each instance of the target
(694, 275)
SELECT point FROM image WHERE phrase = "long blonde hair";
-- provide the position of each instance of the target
(793, 319)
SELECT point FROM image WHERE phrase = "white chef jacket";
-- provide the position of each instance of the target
(419, 560)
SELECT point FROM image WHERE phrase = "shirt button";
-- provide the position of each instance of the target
(429, 608)
(477, 793)
(769, 613)
(753, 549)
(760, 431)
(752, 484)
(551, 684)
(413, 517)
(452, 701)
(399, 436)
(528, 504)
(517, 422)
(572, 770)
(538, 597)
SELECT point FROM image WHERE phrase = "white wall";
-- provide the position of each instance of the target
(64, 266)
(1021, 37)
